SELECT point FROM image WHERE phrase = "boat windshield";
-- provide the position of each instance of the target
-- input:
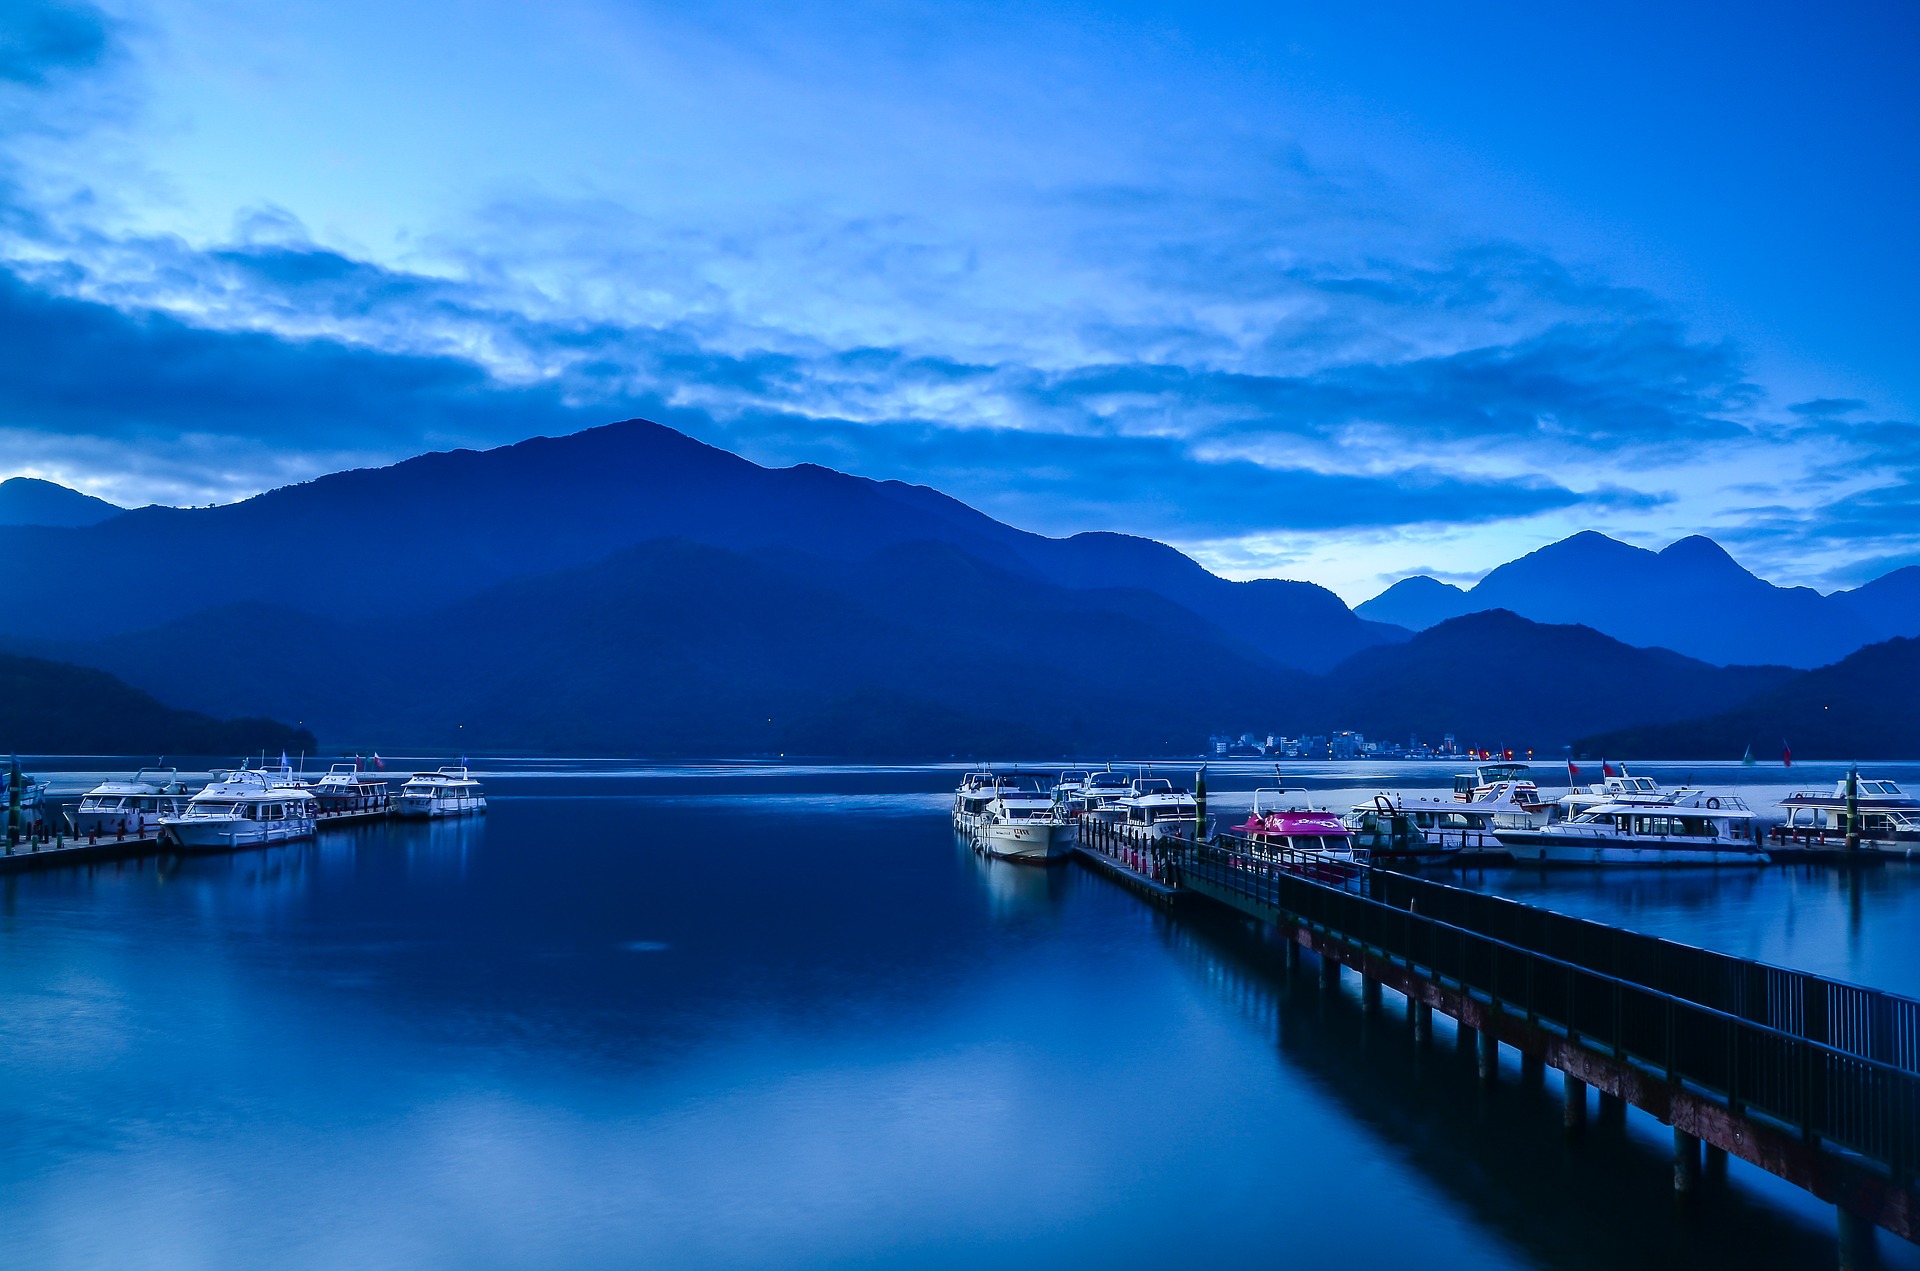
(1880, 789)
(212, 808)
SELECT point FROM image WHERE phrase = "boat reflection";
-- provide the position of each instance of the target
(1018, 889)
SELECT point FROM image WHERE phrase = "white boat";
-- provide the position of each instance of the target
(447, 792)
(129, 808)
(1102, 794)
(1010, 818)
(1624, 788)
(347, 787)
(32, 818)
(1889, 816)
(1155, 806)
(1695, 828)
(251, 807)
(1070, 791)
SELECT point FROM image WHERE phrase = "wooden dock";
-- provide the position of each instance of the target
(1816, 1081)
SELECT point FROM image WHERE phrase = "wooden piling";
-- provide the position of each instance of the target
(1573, 1105)
(1686, 1162)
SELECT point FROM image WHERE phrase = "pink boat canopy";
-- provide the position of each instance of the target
(1325, 824)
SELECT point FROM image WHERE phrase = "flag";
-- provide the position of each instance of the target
(1786, 755)
(1573, 773)
(1606, 769)
(378, 762)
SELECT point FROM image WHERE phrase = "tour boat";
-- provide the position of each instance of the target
(131, 807)
(1277, 824)
(1696, 828)
(1624, 788)
(251, 807)
(1157, 807)
(447, 792)
(349, 788)
(1011, 818)
(1070, 791)
(1889, 817)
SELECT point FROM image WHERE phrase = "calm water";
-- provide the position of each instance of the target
(736, 1017)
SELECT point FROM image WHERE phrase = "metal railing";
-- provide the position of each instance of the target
(1616, 991)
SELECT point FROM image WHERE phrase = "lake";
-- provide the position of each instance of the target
(776, 1016)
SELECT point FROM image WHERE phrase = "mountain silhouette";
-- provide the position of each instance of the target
(433, 530)
(1691, 597)
(31, 501)
(55, 708)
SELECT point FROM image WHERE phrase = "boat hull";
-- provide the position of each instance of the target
(221, 834)
(423, 807)
(1549, 848)
(1018, 840)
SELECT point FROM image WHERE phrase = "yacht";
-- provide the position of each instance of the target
(348, 788)
(251, 807)
(447, 792)
(131, 807)
(1696, 828)
(1007, 817)
(1070, 791)
(1889, 816)
(1625, 788)
(1397, 829)
(1154, 805)
(1102, 794)
(1276, 823)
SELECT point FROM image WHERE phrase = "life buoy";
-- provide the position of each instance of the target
(1713, 803)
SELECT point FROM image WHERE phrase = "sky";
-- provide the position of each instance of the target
(1336, 295)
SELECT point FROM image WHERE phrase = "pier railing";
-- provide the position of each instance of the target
(1646, 1001)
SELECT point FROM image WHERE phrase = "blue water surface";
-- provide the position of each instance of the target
(775, 1017)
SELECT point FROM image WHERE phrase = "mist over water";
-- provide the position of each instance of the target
(774, 1015)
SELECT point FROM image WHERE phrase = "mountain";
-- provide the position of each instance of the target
(55, 708)
(674, 647)
(31, 501)
(443, 527)
(1497, 680)
(1691, 597)
(1866, 706)
(1416, 603)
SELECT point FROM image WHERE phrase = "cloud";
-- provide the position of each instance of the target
(39, 41)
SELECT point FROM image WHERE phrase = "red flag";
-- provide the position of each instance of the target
(378, 762)
(1786, 755)
(1606, 769)
(1573, 773)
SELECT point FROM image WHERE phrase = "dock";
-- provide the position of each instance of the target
(1814, 1080)
(63, 850)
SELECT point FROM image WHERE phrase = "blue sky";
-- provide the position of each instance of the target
(1327, 295)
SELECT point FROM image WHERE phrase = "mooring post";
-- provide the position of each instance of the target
(1859, 1250)
(1489, 1051)
(1369, 993)
(1573, 1104)
(1686, 1162)
(1533, 1071)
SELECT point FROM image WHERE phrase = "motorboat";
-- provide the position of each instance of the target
(1279, 824)
(1696, 828)
(250, 807)
(1621, 788)
(1158, 808)
(1102, 794)
(1889, 816)
(132, 807)
(1070, 791)
(32, 819)
(1412, 830)
(1012, 817)
(444, 792)
(347, 787)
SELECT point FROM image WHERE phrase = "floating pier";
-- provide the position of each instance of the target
(56, 851)
(1814, 1080)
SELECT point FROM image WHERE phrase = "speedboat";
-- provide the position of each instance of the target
(1012, 818)
(1889, 816)
(446, 792)
(1155, 806)
(130, 807)
(251, 807)
(1280, 825)
(349, 788)
(1696, 828)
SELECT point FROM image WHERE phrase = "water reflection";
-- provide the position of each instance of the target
(1017, 890)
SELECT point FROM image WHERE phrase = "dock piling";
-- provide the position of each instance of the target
(1573, 1105)
(1686, 1163)
(1489, 1053)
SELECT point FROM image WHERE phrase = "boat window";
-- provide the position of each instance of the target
(212, 809)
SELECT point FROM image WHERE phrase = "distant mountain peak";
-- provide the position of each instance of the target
(31, 501)
(1416, 603)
